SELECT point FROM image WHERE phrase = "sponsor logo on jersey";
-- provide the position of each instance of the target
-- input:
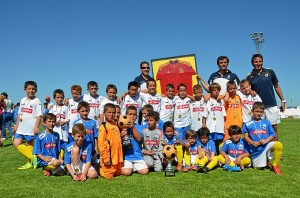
(256, 132)
(185, 106)
(198, 109)
(73, 111)
(134, 104)
(247, 102)
(89, 131)
(60, 116)
(151, 142)
(50, 145)
(216, 108)
(233, 105)
(169, 106)
(153, 102)
(94, 105)
(236, 152)
(26, 110)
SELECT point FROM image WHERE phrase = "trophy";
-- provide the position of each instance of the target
(169, 152)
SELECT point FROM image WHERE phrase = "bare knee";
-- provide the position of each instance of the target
(127, 171)
(143, 171)
(92, 174)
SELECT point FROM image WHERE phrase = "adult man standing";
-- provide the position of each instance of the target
(263, 82)
(143, 78)
(221, 77)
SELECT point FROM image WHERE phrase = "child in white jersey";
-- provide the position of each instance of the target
(197, 107)
(28, 122)
(73, 115)
(61, 113)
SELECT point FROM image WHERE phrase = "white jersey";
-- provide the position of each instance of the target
(94, 103)
(167, 108)
(215, 116)
(129, 101)
(61, 113)
(198, 110)
(106, 101)
(153, 100)
(72, 112)
(28, 112)
(182, 113)
(247, 103)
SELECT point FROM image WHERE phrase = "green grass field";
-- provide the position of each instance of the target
(217, 183)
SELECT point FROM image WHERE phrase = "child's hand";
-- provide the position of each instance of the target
(15, 128)
(48, 159)
(36, 130)
(123, 132)
(163, 142)
(238, 160)
(75, 178)
(187, 144)
(107, 163)
(177, 141)
(83, 177)
(263, 142)
(129, 124)
(148, 152)
(255, 144)
(253, 93)
(200, 155)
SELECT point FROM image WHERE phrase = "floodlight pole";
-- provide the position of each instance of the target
(258, 39)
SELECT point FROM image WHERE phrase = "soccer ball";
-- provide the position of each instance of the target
(123, 121)
(169, 152)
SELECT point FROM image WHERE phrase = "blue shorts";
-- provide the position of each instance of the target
(27, 138)
(216, 136)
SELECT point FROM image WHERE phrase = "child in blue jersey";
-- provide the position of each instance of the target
(78, 155)
(90, 125)
(234, 153)
(170, 138)
(191, 151)
(207, 159)
(133, 158)
(47, 148)
(259, 134)
(145, 110)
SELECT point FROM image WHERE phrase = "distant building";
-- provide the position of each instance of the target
(291, 113)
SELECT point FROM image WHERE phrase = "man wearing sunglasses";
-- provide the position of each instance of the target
(143, 78)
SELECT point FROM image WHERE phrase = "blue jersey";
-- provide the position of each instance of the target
(258, 130)
(171, 141)
(209, 147)
(263, 83)
(235, 149)
(47, 144)
(91, 130)
(194, 148)
(85, 152)
(135, 152)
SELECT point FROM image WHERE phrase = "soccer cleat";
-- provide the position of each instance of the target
(205, 170)
(34, 161)
(179, 167)
(46, 173)
(276, 169)
(235, 168)
(186, 168)
(194, 167)
(28, 165)
(227, 167)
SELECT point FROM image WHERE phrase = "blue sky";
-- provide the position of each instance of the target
(59, 43)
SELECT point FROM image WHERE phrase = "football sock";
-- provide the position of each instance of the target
(245, 161)
(49, 167)
(187, 158)
(179, 154)
(277, 149)
(26, 150)
(213, 163)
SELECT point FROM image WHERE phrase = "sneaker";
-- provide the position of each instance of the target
(4, 138)
(276, 169)
(34, 161)
(186, 168)
(227, 167)
(28, 165)
(200, 169)
(179, 167)
(46, 173)
(235, 168)
(194, 167)
(205, 170)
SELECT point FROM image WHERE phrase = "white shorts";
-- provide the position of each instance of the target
(272, 115)
(261, 160)
(81, 168)
(136, 165)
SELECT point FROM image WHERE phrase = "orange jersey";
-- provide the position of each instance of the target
(233, 109)
(109, 143)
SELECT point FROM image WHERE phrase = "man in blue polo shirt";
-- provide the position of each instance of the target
(144, 77)
(221, 77)
(263, 82)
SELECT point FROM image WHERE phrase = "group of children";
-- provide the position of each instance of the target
(84, 134)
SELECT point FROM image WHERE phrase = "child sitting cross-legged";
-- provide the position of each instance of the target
(234, 153)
